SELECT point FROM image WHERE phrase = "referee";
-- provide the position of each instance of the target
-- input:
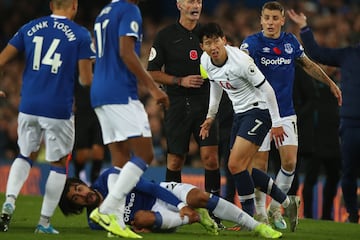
(177, 51)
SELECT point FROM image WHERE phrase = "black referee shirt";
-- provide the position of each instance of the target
(178, 50)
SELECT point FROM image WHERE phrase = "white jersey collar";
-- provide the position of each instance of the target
(57, 16)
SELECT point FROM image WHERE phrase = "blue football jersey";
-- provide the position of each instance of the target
(53, 45)
(142, 197)
(276, 60)
(113, 83)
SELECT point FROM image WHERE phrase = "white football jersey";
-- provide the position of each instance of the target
(239, 77)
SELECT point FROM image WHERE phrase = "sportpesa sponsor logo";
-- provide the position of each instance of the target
(276, 61)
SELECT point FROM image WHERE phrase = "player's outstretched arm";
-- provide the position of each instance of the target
(309, 66)
(299, 19)
(315, 71)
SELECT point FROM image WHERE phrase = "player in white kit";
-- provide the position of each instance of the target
(234, 72)
(275, 53)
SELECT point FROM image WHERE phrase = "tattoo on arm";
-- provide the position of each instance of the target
(313, 70)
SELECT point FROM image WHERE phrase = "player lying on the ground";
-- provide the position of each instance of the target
(153, 207)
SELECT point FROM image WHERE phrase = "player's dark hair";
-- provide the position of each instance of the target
(67, 207)
(210, 30)
(274, 6)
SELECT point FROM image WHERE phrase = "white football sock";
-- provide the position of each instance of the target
(44, 221)
(53, 190)
(126, 181)
(228, 211)
(173, 219)
(18, 174)
(260, 202)
(283, 181)
(286, 202)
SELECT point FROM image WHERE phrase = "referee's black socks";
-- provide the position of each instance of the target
(173, 176)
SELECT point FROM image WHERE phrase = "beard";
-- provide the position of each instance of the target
(93, 199)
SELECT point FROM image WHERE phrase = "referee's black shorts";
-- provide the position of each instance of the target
(183, 118)
(87, 131)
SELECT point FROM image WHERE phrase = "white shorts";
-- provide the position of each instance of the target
(120, 122)
(180, 190)
(290, 127)
(58, 135)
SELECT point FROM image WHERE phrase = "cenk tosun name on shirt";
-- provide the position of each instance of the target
(57, 25)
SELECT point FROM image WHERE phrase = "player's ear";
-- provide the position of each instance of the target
(201, 46)
(51, 6)
(283, 21)
(75, 4)
(179, 6)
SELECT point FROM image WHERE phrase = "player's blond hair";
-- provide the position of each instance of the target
(60, 4)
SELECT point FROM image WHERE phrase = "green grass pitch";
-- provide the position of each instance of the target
(28, 209)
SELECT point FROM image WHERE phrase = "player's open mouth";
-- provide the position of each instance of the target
(195, 13)
(91, 197)
(214, 54)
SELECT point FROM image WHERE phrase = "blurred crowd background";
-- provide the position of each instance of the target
(336, 23)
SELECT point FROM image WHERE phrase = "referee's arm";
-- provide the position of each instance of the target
(164, 78)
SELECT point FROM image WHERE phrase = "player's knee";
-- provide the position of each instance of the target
(211, 162)
(289, 165)
(236, 166)
(197, 198)
(260, 164)
(233, 169)
(210, 157)
(144, 219)
(175, 163)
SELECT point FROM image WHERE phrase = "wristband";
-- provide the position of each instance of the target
(176, 80)
(181, 205)
(304, 29)
(276, 124)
